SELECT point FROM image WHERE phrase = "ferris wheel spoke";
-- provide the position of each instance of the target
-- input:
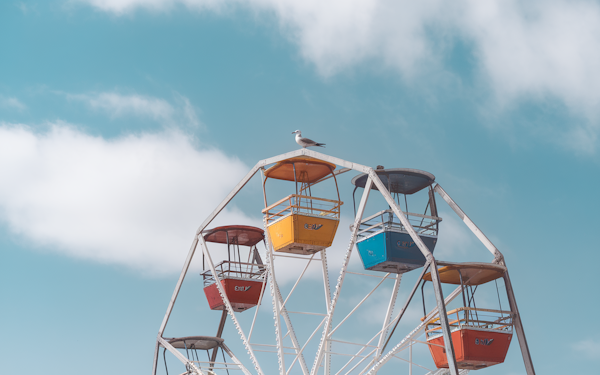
(228, 304)
(390, 310)
(357, 306)
(279, 309)
(338, 287)
(410, 337)
(275, 302)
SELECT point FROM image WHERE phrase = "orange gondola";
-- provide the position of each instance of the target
(301, 223)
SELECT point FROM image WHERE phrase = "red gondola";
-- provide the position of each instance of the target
(243, 281)
(481, 337)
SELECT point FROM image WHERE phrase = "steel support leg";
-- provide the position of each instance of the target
(519, 326)
(498, 257)
(340, 282)
(213, 356)
(437, 286)
(155, 363)
(328, 305)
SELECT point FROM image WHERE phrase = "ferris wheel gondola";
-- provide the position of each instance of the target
(300, 228)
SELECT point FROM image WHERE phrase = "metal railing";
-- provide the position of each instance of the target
(495, 320)
(229, 269)
(210, 367)
(305, 205)
(386, 220)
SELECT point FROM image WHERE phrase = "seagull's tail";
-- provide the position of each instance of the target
(320, 145)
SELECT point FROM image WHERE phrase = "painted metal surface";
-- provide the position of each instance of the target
(498, 257)
(437, 287)
(336, 294)
(301, 169)
(475, 349)
(228, 305)
(469, 273)
(518, 325)
(394, 252)
(243, 294)
(399, 180)
(302, 234)
(324, 350)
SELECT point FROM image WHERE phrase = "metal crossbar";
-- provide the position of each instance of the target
(386, 221)
(496, 320)
(235, 270)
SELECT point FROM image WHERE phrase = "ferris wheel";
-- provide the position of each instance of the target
(315, 326)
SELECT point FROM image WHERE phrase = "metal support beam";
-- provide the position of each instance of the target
(156, 351)
(228, 304)
(235, 359)
(328, 305)
(188, 364)
(518, 324)
(213, 356)
(340, 282)
(190, 255)
(279, 309)
(381, 345)
(498, 257)
(388, 315)
(410, 337)
(275, 301)
(437, 286)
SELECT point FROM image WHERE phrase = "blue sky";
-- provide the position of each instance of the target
(124, 122)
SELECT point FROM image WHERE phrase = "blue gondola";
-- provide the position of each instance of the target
(383, 242)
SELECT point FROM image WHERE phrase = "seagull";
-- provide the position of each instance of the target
(305, 142)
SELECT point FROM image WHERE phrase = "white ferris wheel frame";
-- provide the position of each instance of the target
(280, 311)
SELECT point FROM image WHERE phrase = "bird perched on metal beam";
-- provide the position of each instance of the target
(305, 142)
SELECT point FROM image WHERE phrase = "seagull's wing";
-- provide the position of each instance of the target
(308, 141)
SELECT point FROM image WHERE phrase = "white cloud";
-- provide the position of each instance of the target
(455, 239)
(135, 200)
(589, 348)
(119, 105)
(534, 50)
(12, 103)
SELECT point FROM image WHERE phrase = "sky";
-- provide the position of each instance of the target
(123, 123)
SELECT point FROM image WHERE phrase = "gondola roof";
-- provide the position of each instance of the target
(399, 180)
(238, 234)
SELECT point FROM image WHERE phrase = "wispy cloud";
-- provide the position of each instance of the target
(535, 50)
(135, 200)
(12, 103)
(588, 348)
(114, 104)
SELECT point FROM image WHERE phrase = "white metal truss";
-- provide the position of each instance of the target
(371, 355)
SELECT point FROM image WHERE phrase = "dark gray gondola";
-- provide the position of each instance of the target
(383, 242)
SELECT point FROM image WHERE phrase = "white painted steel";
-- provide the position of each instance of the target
(180, 356)
(411, 336)
(340, 282)
(327, 288)
(281, 309)
(262, 293)
(388, 314)
(498, 257)
(298, 281)
(235, 359)
(357, 306)
(275, 301)
(437, 286)
(306, 343)
(324, 351)
(518, 326)
(215, 274)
